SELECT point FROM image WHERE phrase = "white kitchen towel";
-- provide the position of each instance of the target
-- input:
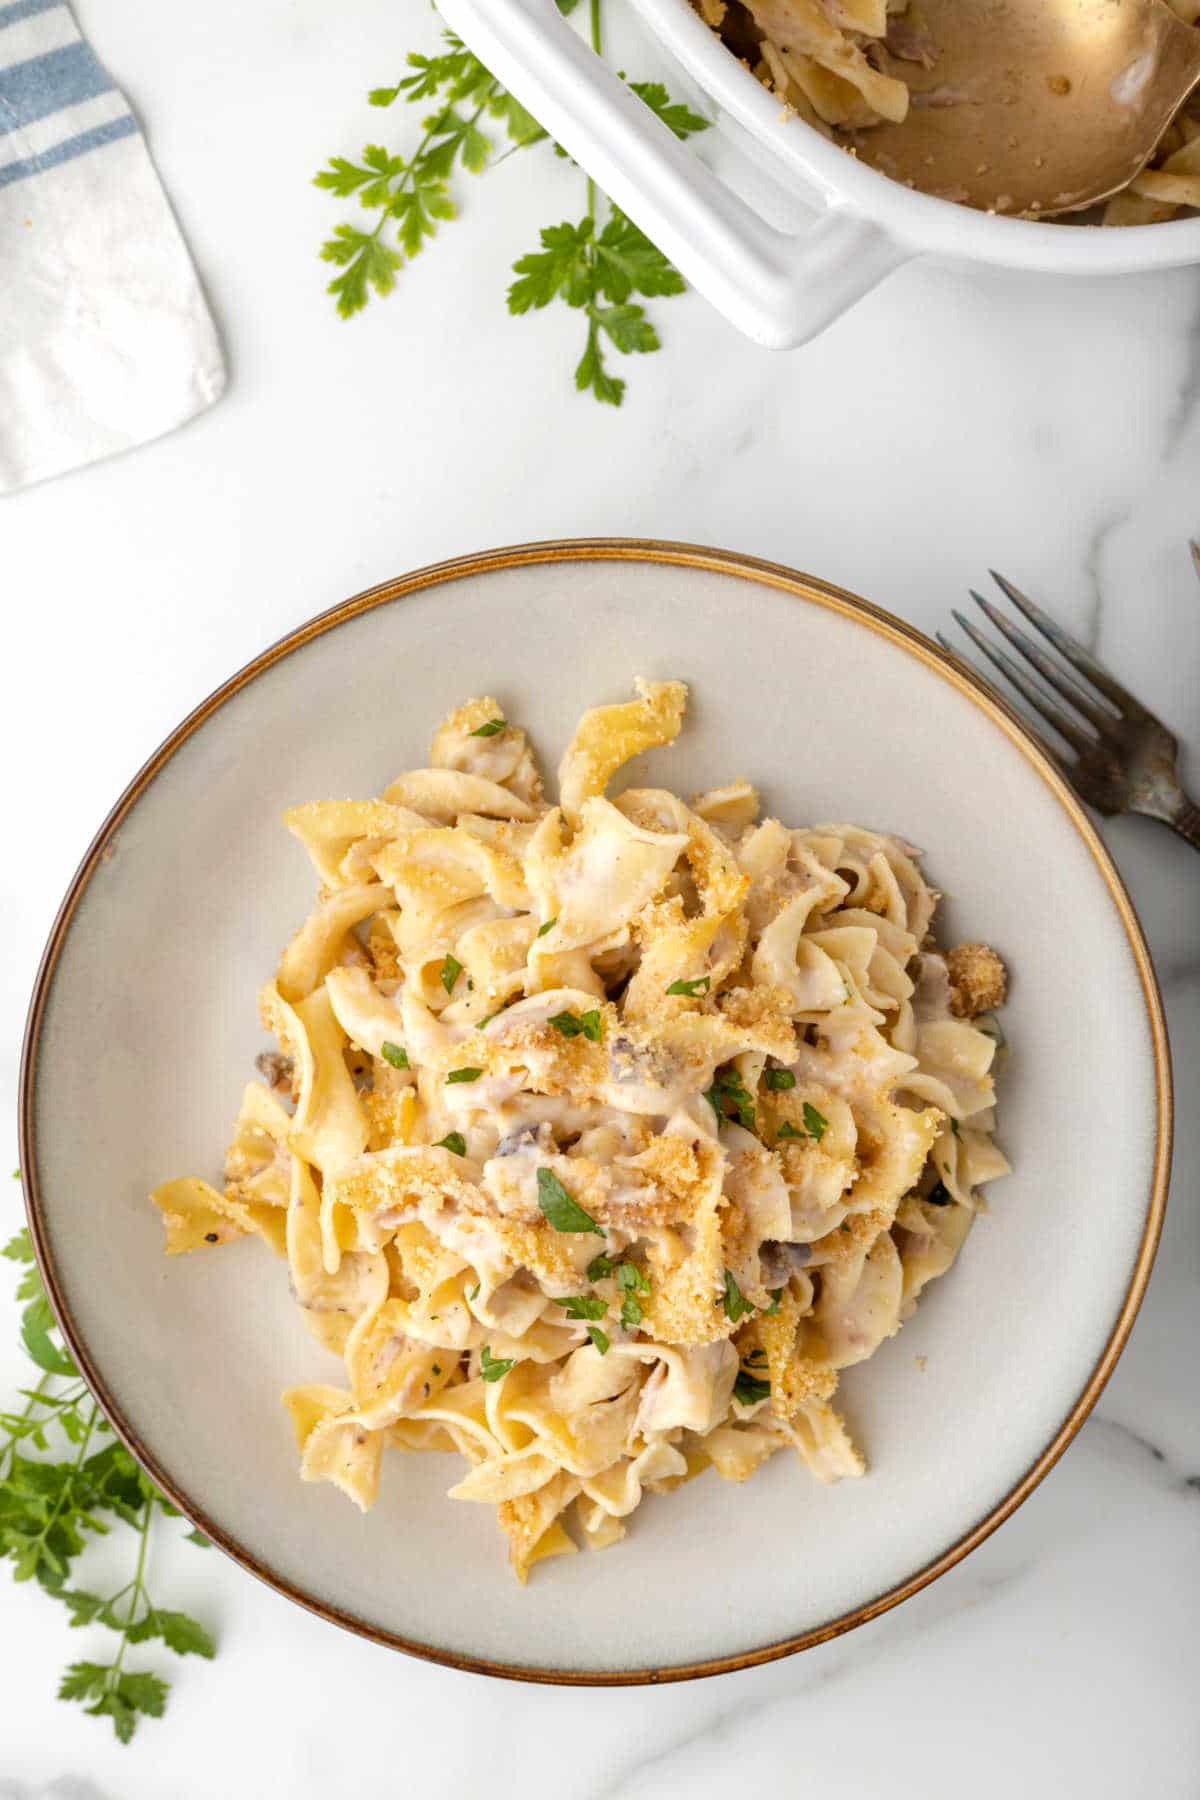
(105, 337)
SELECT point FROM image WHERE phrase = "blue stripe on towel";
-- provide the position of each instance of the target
(25, 9)
(45, 84)
(67, 152)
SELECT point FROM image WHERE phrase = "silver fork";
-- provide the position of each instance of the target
(1127, 762)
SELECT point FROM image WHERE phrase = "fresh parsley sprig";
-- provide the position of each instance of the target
(53, 1504)
(595, 265)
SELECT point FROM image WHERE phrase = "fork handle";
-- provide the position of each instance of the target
(1186, 821)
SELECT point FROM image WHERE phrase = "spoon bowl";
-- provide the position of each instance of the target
(1035, 107)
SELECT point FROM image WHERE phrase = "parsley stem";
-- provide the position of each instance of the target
(597, 46)
(139, 1591)
(14, 1430)
(433, 131)
(84, 1441)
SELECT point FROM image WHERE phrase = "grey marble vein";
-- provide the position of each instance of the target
(1183, 411)
(1176, 1479)
(1091, 627)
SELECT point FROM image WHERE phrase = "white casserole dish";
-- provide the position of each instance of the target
(779, 288)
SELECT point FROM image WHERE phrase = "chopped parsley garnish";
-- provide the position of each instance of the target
(548, 926)
(457, 1075)
(749, 1389)
(815, 1123)
(599, 1268)
(939, 1195)
(778, 1080)
(776, 1297)
(395, 1054)
(734, 1301)
(729, 1090)
(493, 1367)
(631, 1313)
(631, 1280)
(455, 1141)
(437, 1368)
(488, 1017)
(954, 1126)
(583, 1306)
(557, 1205)
(451, 970)
(788, 1130)
(474, 1293)
(574, 1025)
(701, 985)
(493, 728)
(599, 1338)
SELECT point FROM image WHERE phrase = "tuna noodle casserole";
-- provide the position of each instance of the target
(601, 1136)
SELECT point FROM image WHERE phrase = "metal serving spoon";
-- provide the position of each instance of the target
(1034, 106)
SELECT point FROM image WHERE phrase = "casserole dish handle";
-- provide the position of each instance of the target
(781, 289)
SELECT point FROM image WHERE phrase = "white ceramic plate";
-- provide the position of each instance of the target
(143, 1030)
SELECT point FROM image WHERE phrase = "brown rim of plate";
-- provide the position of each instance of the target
(773, 575)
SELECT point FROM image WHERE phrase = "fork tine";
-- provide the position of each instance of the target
(1041, 703)
(1043, 745)
(1071, 649)
(1049, 670)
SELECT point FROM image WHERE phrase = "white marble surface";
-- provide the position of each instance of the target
(954, 420)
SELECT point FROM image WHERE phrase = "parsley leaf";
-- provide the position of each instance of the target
(955, 1127)
(20, 1247)
(631, 1313)
(453, 1141)
(734, 1301)
(628, 263)
(682, 121)
(548, 926)
(493, 728)
(365, 262)
(492, 1368)
(583, 1306)
(750, 1389)
(701, 985)
(776, 1297)
(599, 1268)
(631, 1280)
(180, 1633)
(728, 1089)
(560, 269)
(778, 1080)
(558, 1207)
(394, 1054)
(573, 1025)
(815, 1123)
(451, 970)
(788, 1130)
(599, 1339)
(460, 1075)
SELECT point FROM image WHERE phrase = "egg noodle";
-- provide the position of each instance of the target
(612, 1130)
(840, 64)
